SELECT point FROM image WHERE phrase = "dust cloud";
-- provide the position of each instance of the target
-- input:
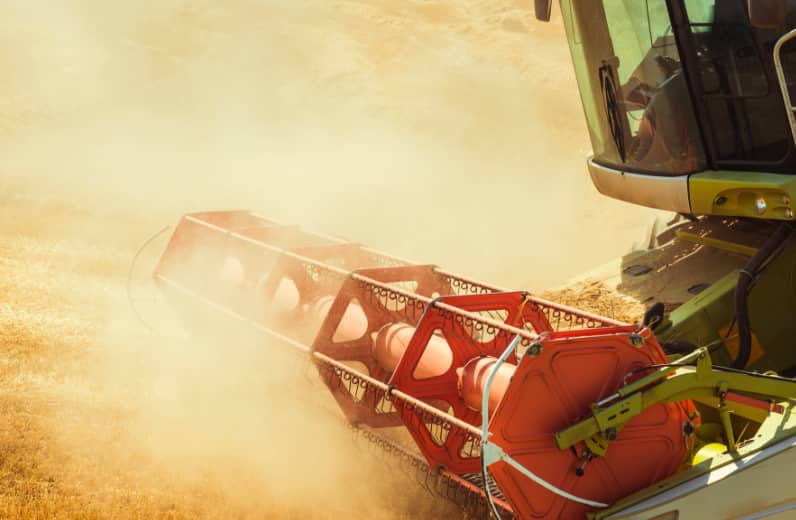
(442, 131)
(446, 132)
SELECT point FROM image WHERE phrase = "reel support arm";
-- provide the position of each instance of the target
(678, 382)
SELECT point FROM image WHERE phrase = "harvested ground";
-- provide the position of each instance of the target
(447, 132)
(103, 419)
(596, 297)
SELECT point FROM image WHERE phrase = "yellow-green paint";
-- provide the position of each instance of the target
(740, 194)
(716, 243)
(704, 320)
(774, 429)
(704, 385)
(700, 383)
(699, 320)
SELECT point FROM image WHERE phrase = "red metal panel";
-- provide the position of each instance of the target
(379, 294)
(555, 389)
(470, 334)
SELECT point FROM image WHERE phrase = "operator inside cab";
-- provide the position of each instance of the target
(679, 86)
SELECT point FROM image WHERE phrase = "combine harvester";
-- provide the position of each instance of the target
(520, 407)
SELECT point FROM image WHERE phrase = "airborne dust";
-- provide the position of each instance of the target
(448, 132)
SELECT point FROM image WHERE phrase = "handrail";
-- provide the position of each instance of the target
(783, 84)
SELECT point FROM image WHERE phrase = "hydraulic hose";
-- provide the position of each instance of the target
(130, 277)
(746, 278)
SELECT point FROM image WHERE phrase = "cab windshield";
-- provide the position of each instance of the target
(634, 91)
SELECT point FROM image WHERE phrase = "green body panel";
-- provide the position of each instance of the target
(775, 428)
(705, 319)
(772, 309)
(731, 193)
(676, 383)
(700, 319)
(706, 386)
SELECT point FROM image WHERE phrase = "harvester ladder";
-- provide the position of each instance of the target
(783, 82)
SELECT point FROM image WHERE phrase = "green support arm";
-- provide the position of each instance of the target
(680, 381)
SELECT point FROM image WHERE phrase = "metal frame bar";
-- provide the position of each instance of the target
(579, 317)
(460, 481)
(783, 82)
(678, 381)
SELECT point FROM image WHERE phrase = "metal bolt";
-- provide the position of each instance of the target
(534, 349)
(637, 340)
(587, 456)
(610, 434)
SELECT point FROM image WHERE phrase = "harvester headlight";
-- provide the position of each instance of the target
(761, 205)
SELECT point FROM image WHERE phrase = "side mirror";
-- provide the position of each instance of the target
(767, 14)
(542, 9)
